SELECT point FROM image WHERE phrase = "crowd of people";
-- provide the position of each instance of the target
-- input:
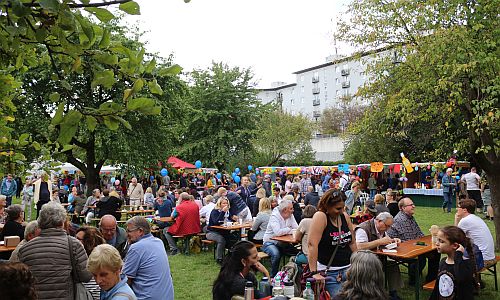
(326, 214)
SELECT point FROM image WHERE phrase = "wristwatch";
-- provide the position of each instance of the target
(314, 272)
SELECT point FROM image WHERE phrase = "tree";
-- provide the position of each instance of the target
(224, 117)
(282, 135)
(445, 84)
(336, 120)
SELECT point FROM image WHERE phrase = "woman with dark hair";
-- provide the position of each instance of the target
(17, 282)
(90, 238)
(238, 268)
(13, 222)
(331, 236)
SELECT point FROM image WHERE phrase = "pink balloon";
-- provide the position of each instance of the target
(117, 182)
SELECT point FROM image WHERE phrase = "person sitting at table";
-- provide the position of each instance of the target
(238, 268)
(164, 207)
(261, 193)
(274, 202)
(207, 209)
(392, 203)
(106, 265)
(311, 197)
(109, 204)
(238, 206)
(405, 228)
(280, 223)
(14, 222)
(30, 232)
(114, 235)
(149, 198)
(90, 238)
(371, 235)
(91, 201)
(219, 216)
(379, 200)
(365, 278)
(296, 197)
(186, 221)
(3, 203)
(369, 211)
(259, 225)
(302, 233)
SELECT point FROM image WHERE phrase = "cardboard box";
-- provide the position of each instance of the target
(11, 241)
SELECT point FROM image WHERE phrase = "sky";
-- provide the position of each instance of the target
(275, 37)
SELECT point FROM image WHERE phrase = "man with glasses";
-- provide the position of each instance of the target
(405, 228)
(372, 234)
(114, 235)
(146, 264)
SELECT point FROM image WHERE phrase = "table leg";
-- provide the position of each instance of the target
(417, 280)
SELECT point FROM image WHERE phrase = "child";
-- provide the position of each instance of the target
(456, 275)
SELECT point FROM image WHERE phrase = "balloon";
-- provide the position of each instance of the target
(117, 182)
(237, 179)
(219, 175)
(164, 172)
(416, 168)
(433, 168)
(405, 179)
(198, 164)
(250, 167)
(151, 177)
(233, 175)
(428, 167)
(458, 177)
(257, 172)
(237, 170)
(113, 180)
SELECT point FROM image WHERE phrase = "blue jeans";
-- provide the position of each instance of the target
(372, 194)
(332, 285)
(448, 201)
(274, 252)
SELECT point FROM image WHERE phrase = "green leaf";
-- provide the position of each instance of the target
(91, 123)
(65, 85)
(150, 66)
(105, 40)
(40, 34)
(138, 103)
(67, 148)
(155, 88)
(19, 9)
(58, 117)
(155, 110)
(126, 94)
(86, 27)
(172, 70)
(66, 20)
(105, 78)
(124, 122)
(111, 122)
(110, 107)
(50, 5)
(54, 97)
(77, 64)
(138, 84)
(131, 8)
(23, 139)
(69, 127)
(101, 13)
(36, 146)
(106, 58)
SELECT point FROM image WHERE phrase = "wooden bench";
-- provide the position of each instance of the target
(429, 286)
(186, 241)
(207, 243)
(263, 255)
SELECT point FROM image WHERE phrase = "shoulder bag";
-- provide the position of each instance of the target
(79, 290)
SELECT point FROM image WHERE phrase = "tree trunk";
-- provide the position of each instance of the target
(494, 182)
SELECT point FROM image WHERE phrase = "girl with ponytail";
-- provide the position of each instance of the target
(456, 277)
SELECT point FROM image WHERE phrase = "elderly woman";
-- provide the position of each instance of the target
(48, 256)
(13, 222)
(27, 200)
(3, 203)
(90, 238)
(106, 264)
(281, 223)
(30, 232)
(331, 240)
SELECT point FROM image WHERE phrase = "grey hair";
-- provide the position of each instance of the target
(52, 215)
(365, 277)
(107, 217)
(284, 204)
(141, 223)
(3, 197)
(184, 196)
(288, 197)
(14, 211)
(383, 216)
(30, 229)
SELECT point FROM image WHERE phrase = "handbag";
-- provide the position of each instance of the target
(79, 290)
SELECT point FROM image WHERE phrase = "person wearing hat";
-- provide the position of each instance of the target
(368, 213)
(449, 185)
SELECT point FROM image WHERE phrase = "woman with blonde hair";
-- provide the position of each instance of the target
(220, 216)
(149, 198)
(353, 196)
(106, 264)
(260, 223)
(379, 200)
(261, 193)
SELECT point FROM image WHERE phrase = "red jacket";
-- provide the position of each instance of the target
(188, 219)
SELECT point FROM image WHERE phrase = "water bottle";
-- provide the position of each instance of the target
(265, 287)
(289, 290)
(249, 291)
(308, 293)
(277, 289)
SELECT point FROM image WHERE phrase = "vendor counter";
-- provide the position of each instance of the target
(426, 197)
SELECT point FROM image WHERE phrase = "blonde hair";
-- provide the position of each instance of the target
(149, 190)
(217, 205)
(379, 199)
(114, 194)
(264, 204)
(104, 257)
(261, 193)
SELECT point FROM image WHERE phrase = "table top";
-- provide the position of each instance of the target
(144, 211)
(409, 249)
(234, 226)
(427, 192)
(288, 238)
(163, 219)
(6, 249)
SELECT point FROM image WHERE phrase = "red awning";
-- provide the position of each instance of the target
(179, 163)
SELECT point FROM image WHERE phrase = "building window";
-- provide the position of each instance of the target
(302, 78)
(292, 102)
(337, 93)
(302, 89)
(346, 66)
(337, 69)
(293, 91)
(337, 81)
(302, 100)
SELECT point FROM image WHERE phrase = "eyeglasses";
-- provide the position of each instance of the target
(413, 204)
(132, 230)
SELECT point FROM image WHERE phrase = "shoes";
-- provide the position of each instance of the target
(219, 262)
(174, 252)
(393, 295)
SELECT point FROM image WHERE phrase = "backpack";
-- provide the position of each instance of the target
(290, 273)
(195, 245)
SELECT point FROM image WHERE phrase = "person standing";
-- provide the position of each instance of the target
(146, 264)
(8, 188)
(19, 186)
(135, 192)
(449, 186)
(473, 181)
(42, 193)
(27, 201)
(372, 185)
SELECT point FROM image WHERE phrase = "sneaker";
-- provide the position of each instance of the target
(174, 252)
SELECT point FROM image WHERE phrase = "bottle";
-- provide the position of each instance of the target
(249, 291)
(277, 289)
(406, 163)
(265, 287)
(289, 290)
(308, 293)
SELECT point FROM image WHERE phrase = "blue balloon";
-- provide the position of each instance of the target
(233, 175)
(458, 177)
(237, 170)
(250, 167)
(198, 164)
(237, 179)
(257, 172)
(219, 175)
(151, 177)
(164, 172)
(113, 180)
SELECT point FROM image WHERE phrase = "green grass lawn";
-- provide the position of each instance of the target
(193, 275)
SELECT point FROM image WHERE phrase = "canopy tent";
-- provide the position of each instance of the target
(179, 163)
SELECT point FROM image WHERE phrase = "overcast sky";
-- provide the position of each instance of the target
(273, 37)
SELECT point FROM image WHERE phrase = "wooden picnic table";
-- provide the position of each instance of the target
(235, 226)
(409, 250)
(3, 248)
(287, 238)
(163, 219)
(135, 212)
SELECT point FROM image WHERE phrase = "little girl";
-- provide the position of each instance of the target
(456, 274)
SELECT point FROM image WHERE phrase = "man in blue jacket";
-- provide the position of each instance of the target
(449, 185)
(9, 188)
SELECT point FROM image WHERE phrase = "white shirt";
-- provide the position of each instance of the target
(362, 236)
(278, 226)
(206, 210)
(479, 233)
(472, 180)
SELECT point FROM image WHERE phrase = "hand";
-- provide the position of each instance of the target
(385, 240)
(225, 209)
(235, 218)
(320, 281)
(238, 191)
(261, 269)
(460, 248)
(397, 241)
